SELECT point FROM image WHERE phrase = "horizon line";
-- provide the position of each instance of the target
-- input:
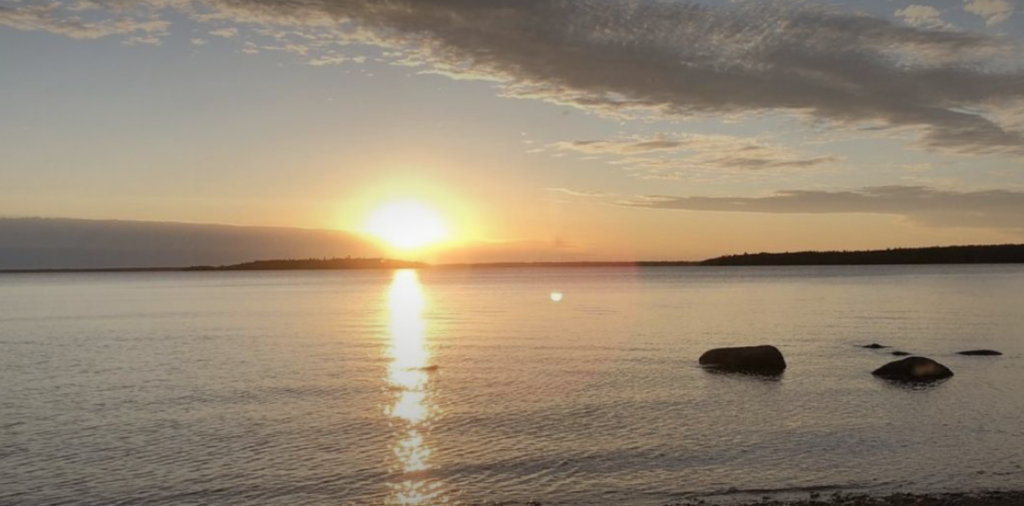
(718, 261)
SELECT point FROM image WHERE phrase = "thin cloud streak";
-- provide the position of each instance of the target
(924, 205)
(577, 193)
(679, 156)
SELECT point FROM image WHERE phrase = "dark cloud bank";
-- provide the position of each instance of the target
(38, 243)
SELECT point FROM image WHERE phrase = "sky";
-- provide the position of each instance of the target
(536, 130)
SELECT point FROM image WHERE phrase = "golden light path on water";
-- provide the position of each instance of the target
(409, 378)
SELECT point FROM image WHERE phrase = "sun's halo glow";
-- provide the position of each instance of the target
(407, 225)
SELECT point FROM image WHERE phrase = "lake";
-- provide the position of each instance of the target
(461, 386)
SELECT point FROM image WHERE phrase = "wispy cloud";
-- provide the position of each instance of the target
(924, 16)
(994, 11)
(922, 204)
(51, 18)
(578, 193)
(676, 156)
(148, 40)
(226, 33)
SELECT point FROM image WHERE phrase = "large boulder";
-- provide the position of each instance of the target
(980, 353)
(747, 359)
(914, 369)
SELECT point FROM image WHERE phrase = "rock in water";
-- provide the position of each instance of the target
(874, 346)
(914, 369)
(980, 353)
(749, 359)
(900, 353)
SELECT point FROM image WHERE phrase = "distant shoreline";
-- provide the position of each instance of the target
(940, 255)
(991, 498)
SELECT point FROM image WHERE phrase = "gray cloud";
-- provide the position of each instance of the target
(679, 58)
(928, 206)
(682, 58)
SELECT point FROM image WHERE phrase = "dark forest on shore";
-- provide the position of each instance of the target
(994, 254)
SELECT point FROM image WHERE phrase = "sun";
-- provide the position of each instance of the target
(407, 225)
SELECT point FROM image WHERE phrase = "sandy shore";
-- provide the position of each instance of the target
(959, 499)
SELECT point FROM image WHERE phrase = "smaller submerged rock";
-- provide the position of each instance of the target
(874, 346)
(913, 369)
(763, 359)
(900, 354)
(980, 353)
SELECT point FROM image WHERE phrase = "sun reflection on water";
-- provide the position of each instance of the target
(412, 407)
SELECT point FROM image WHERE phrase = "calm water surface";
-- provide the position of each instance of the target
(465, 386)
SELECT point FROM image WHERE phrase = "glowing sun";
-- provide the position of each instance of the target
(407, 225)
